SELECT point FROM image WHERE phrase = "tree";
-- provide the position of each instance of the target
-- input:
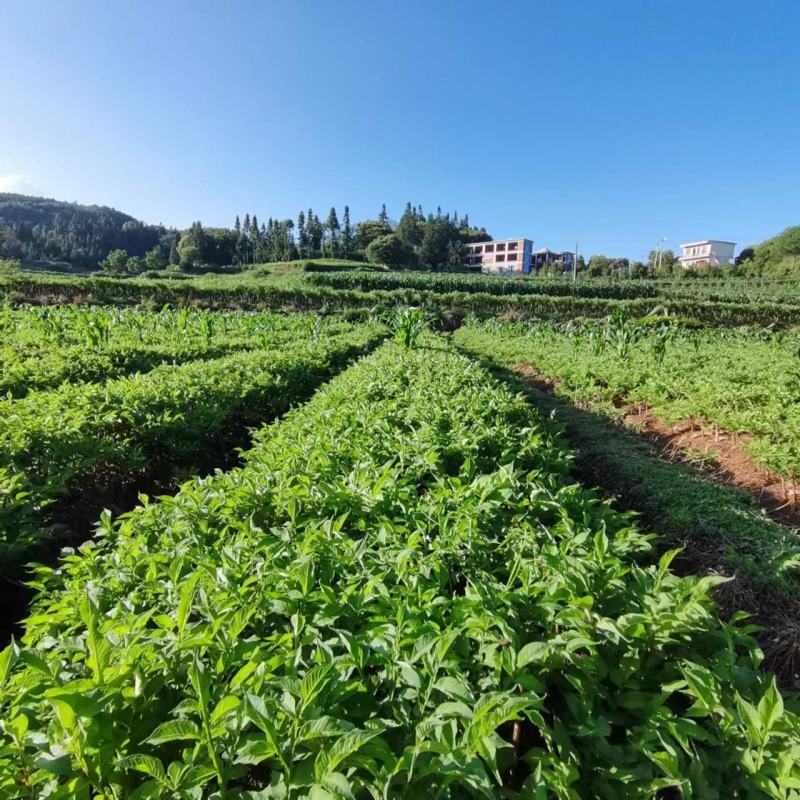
(192, 245)
(10, 245)
(332, 226)
(347, 233)
(116, 262)
(434, 250)
(302, 236)
(410, 228)
(383, 216)
(778, 256)
(666, 262)
(316, 232)
(455, 255)
(154, 259)
(368, 231)
(390, 251)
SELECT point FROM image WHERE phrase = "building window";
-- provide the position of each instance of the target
(512, 257)
(490, 248)
(501, 246)
(512, 246)
(500, 257)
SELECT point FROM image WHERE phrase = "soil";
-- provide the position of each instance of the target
(689, 441)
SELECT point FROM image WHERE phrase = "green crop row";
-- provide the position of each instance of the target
(743, 384)
(53, 442)
(44, 347)
(738, 291)
(723, 527)
(400, 595)
(300, 295)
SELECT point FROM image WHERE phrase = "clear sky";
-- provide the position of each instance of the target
(609, 122)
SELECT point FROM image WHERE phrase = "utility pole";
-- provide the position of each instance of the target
(660, 252)
(575, 265)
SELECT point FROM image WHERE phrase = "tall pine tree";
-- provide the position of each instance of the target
(347, 233)
(332, 226)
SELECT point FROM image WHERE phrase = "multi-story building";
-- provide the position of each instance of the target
(708, 253)
(544, 257)
(504, 257)
(514, 257)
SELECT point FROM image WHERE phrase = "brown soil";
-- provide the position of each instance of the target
(720, 455)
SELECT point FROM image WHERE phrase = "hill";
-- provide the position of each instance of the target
(43, 229)
(776, 257)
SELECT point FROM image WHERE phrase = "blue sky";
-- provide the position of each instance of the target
(607, 123)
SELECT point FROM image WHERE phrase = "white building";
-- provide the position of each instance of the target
(708, 253)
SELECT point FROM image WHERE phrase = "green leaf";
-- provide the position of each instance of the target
(185, 604)
(98, 647)
(454, 687)
(313, 683)
(770, 707)
(175, 730)
(338, 752)
(149, 765)
(752, 721)
(224, 707)
(533, 651)
(7, 660)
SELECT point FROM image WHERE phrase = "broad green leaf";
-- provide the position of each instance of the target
(175, 730)
(143, 763)
(770, 707)
(224, 707)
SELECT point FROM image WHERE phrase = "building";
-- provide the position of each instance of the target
(708, 253)
(544, 257)
(506, 257)
(514, 257)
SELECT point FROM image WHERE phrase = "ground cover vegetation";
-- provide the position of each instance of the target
(57, 442)
(43, 347)
(721, 529)
(742, 381)
(400, 594)
(302, 290)
(732, 290)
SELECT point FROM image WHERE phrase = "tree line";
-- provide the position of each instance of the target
(39, 229)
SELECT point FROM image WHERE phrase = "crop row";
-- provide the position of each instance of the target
(401, 594)
(43, 347)
(724, 374)
(746, 385)
(737, 291)
(55, 442)
(222, 293)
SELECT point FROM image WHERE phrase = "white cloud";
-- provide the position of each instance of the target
(17, 185)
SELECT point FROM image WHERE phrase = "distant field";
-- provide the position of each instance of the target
(331, 285)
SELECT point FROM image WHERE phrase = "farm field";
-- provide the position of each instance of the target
(719, 290)
(744, 382)
(401, 593)
(43, 347)
(281, 288)
(186, 412)
(407, 587)
(710, 502)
